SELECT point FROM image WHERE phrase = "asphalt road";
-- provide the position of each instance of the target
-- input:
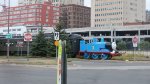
(85, 72)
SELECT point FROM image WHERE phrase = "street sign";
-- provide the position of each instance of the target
(56, 43)
(9, 36)
(56, 36)
(27, 37)
(135, 41)
(19, 44)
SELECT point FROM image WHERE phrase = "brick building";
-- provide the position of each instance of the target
(35, 14)
(75, 16)
(67, 2)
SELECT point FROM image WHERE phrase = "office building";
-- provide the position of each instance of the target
(117, 12)
(147, 16)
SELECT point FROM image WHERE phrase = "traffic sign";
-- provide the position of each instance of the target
(135, 41)
(9, 36)
(56, 36)
(27, 37)
(19, 44)
(56, 43)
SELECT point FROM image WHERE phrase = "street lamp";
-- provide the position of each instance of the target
(8, 41)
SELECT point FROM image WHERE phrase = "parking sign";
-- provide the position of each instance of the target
(56, 36)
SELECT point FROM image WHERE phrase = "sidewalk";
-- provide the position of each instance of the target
(31, 61)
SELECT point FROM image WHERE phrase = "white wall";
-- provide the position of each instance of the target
(16, 31)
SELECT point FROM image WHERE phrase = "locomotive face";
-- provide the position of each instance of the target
(114, 46)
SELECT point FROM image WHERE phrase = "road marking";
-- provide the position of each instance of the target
(112, 68)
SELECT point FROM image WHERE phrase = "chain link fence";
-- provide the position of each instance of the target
(141, 52)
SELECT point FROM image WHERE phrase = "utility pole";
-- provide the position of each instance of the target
(8, 39)
(64, 63)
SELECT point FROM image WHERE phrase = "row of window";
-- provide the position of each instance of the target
(106, 9)
(55, 0)
(16, 34)
(20, 19)
(71, 8)
(108, 14)
(108, 3)
(113, 24)
(25, 7)
(23, 12)
(6, 30)
(12, 34)
(106, 19)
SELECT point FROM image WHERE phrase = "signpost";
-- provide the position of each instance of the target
(19, 45)
(28, 38)
(135, 44)
(61, 64)
(64, 63)
(56, 38)
(8, 37)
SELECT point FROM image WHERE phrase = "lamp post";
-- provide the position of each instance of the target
(8, 41)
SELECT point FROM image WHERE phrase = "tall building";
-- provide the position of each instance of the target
(67, 2)
(147, 16)
(35, 15)
(117, 12)
(75, 16)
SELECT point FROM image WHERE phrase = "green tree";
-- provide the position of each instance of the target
(39, 45)
(60, 27)
(51, 47)
(144, 45)
(121, 45)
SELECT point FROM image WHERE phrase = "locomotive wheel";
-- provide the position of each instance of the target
(104, 56)
(86, 56)
(109, 58)
(95, 56)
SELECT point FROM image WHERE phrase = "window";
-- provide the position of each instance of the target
(4, 30)
(14, 34)
(18, 29)
(13, 29)
(18, 34)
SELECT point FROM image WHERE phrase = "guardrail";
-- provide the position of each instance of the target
(138, 52)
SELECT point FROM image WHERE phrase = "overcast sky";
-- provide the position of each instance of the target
(87, 3)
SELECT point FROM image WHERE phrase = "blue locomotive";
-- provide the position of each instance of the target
(98, 49)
